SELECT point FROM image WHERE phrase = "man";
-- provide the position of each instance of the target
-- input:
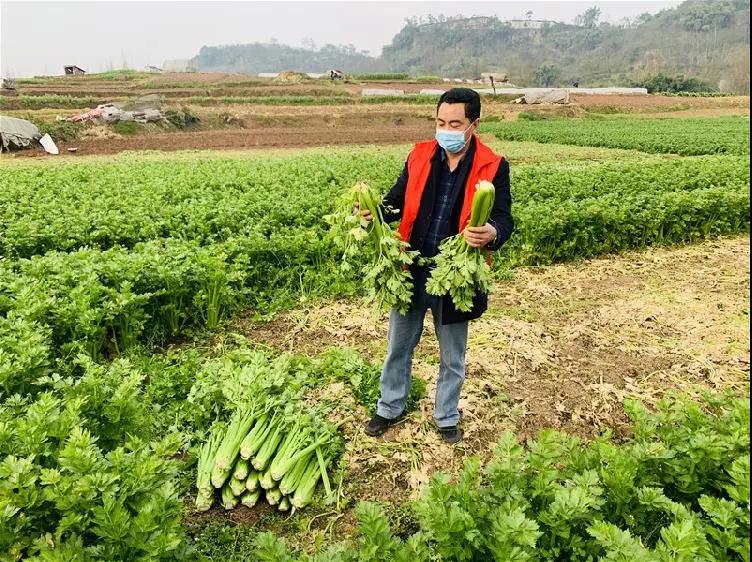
(431, 198)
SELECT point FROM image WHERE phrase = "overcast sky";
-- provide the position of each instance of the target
(38, 38)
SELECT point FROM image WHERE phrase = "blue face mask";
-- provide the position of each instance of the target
(451, 141)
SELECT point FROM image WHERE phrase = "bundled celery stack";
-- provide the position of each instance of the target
(277, 451)
(462, 271)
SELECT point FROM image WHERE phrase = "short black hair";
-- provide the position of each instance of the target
(469, 97)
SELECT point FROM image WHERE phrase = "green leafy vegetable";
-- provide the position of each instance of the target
(462, 271)
(385, 258)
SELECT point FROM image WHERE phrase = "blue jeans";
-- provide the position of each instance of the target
(404, 334)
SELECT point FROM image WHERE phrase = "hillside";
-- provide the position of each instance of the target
(708, 40)
(259, 57)
(704, 39)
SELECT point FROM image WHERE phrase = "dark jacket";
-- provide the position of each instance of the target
(501, 218)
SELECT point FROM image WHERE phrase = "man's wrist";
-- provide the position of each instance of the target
(495, 238)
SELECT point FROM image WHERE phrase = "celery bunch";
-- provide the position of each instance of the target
(462, 271)
(282, 456)
(382, 256)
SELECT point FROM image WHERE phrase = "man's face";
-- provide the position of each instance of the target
(451, 117)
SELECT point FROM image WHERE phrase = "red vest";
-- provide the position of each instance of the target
(485, 165)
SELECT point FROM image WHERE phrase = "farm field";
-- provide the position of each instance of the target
(238, 112)
(146, 296)
(678, 136)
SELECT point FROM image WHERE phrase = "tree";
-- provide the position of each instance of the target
(308, 43)
(547, 74)
(709, 15)
(589, 18)
(644, 17)
(662, 83)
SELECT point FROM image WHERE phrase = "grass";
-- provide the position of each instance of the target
(126, 128)
(220, 540)
(59, 130)
(123, 75)
(331, 98)
(381, 77)
(48, 101)
(531, 116)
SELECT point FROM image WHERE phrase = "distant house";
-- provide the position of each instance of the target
(150, 68)
(73, 69)
(530, 24)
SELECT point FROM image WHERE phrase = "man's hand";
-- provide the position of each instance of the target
(479, 236)
(365, 214)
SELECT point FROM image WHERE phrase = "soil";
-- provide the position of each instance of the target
(405, 130)
(560, 347)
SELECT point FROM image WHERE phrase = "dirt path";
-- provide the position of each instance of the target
(560, 347)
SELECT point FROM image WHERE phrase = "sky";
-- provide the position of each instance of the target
(39, 38)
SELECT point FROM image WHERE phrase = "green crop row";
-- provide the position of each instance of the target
(698, 94)
(338, 99)
(103, 302)
(678, 490)
(248, 240)
(685, 136)
(92, 466)
(48, 100)
(568, 213)
(103, 205)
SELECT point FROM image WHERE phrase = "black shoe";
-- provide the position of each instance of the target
(378, 425)
(451, 434)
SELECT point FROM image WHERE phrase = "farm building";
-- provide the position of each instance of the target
(73, 69)
(9, 87)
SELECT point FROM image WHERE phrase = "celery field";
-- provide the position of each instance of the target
(185, 367)
(148, 249)
(678, 135)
